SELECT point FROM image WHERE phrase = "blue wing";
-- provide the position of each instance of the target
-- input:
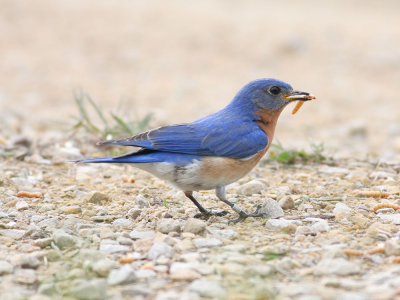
(214, 135)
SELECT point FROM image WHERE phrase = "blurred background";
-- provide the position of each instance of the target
(181, 60)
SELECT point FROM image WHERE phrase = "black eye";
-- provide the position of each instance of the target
(274, 90)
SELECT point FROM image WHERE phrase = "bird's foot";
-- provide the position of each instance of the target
(208, 213)
(244, 215)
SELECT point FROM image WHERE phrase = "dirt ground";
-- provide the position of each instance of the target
(179, 61)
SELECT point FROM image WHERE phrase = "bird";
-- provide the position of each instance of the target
(216, 150)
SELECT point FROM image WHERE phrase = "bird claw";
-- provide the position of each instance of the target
(208, 213)
(244, 215)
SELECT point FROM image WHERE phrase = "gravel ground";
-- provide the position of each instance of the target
(113, 232)
(331, 228)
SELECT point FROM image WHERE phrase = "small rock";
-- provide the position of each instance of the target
(303, 230)
(252, 187)
(394, 219)
(122, 222)
(145, 274)
(141, 201)
(25, 276)
(5, 267)
(341, 208)
(30, 262)
(63, 239)
(183, 271)
(124, 275)
(319, 225)
(223, 233)
(94, 289)
(133, 213)
(168, 225)
(337, 266)
(207, 288)
(262, 270)
(103, 267)
(110, 248)
(74, 209)
(392, 247)
(207, 242)
(97, 198)
(281, 223)
(21, 205)
(271, 209)
(160, 249)
(286, 203)
(195, 226)
(15, 234)
(147, 235)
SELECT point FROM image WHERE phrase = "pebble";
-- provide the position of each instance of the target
(271, 209)
(183, 271)
(97, 198)
(286, 203)
(137, 234)
(30, 262)
(341, 208)
(103, 267)
(160, 249)
(64, 240)
(337, 266)
(141, 201)
(223, 233)
(21, 205)
(25, 276)
(145, 274)
(207, 288)
(122, 222)
(74, 209)
(281, 223)
(15, 234)
(168, 225)
(109, 248)
(5, 267)
(207, 242)
(251, 187)
(92, 289)
(124, 275)
(195, 226)
(394, 219)
(319, 225)
(392, 247)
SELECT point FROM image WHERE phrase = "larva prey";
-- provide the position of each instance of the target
(297, 107)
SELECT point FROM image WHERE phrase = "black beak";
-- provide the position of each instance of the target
(297, 95)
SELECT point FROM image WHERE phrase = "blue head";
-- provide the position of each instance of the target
(266, 94)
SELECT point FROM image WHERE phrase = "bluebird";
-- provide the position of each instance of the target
(216, 150)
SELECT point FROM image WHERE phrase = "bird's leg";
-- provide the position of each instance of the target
(204, 212)
(220, 191)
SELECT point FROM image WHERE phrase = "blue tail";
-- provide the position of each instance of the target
(145, 156)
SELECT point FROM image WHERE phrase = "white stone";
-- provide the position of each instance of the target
(146, 235)
(271, 209)
(160, 249)
(125, 274)
(109, 248)
(21, 205)
(394, 219)
(341, 208)
(207, 242)
(280, 223)
(337, 266)
(5, 267)
(207, 288)
(252, 187)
